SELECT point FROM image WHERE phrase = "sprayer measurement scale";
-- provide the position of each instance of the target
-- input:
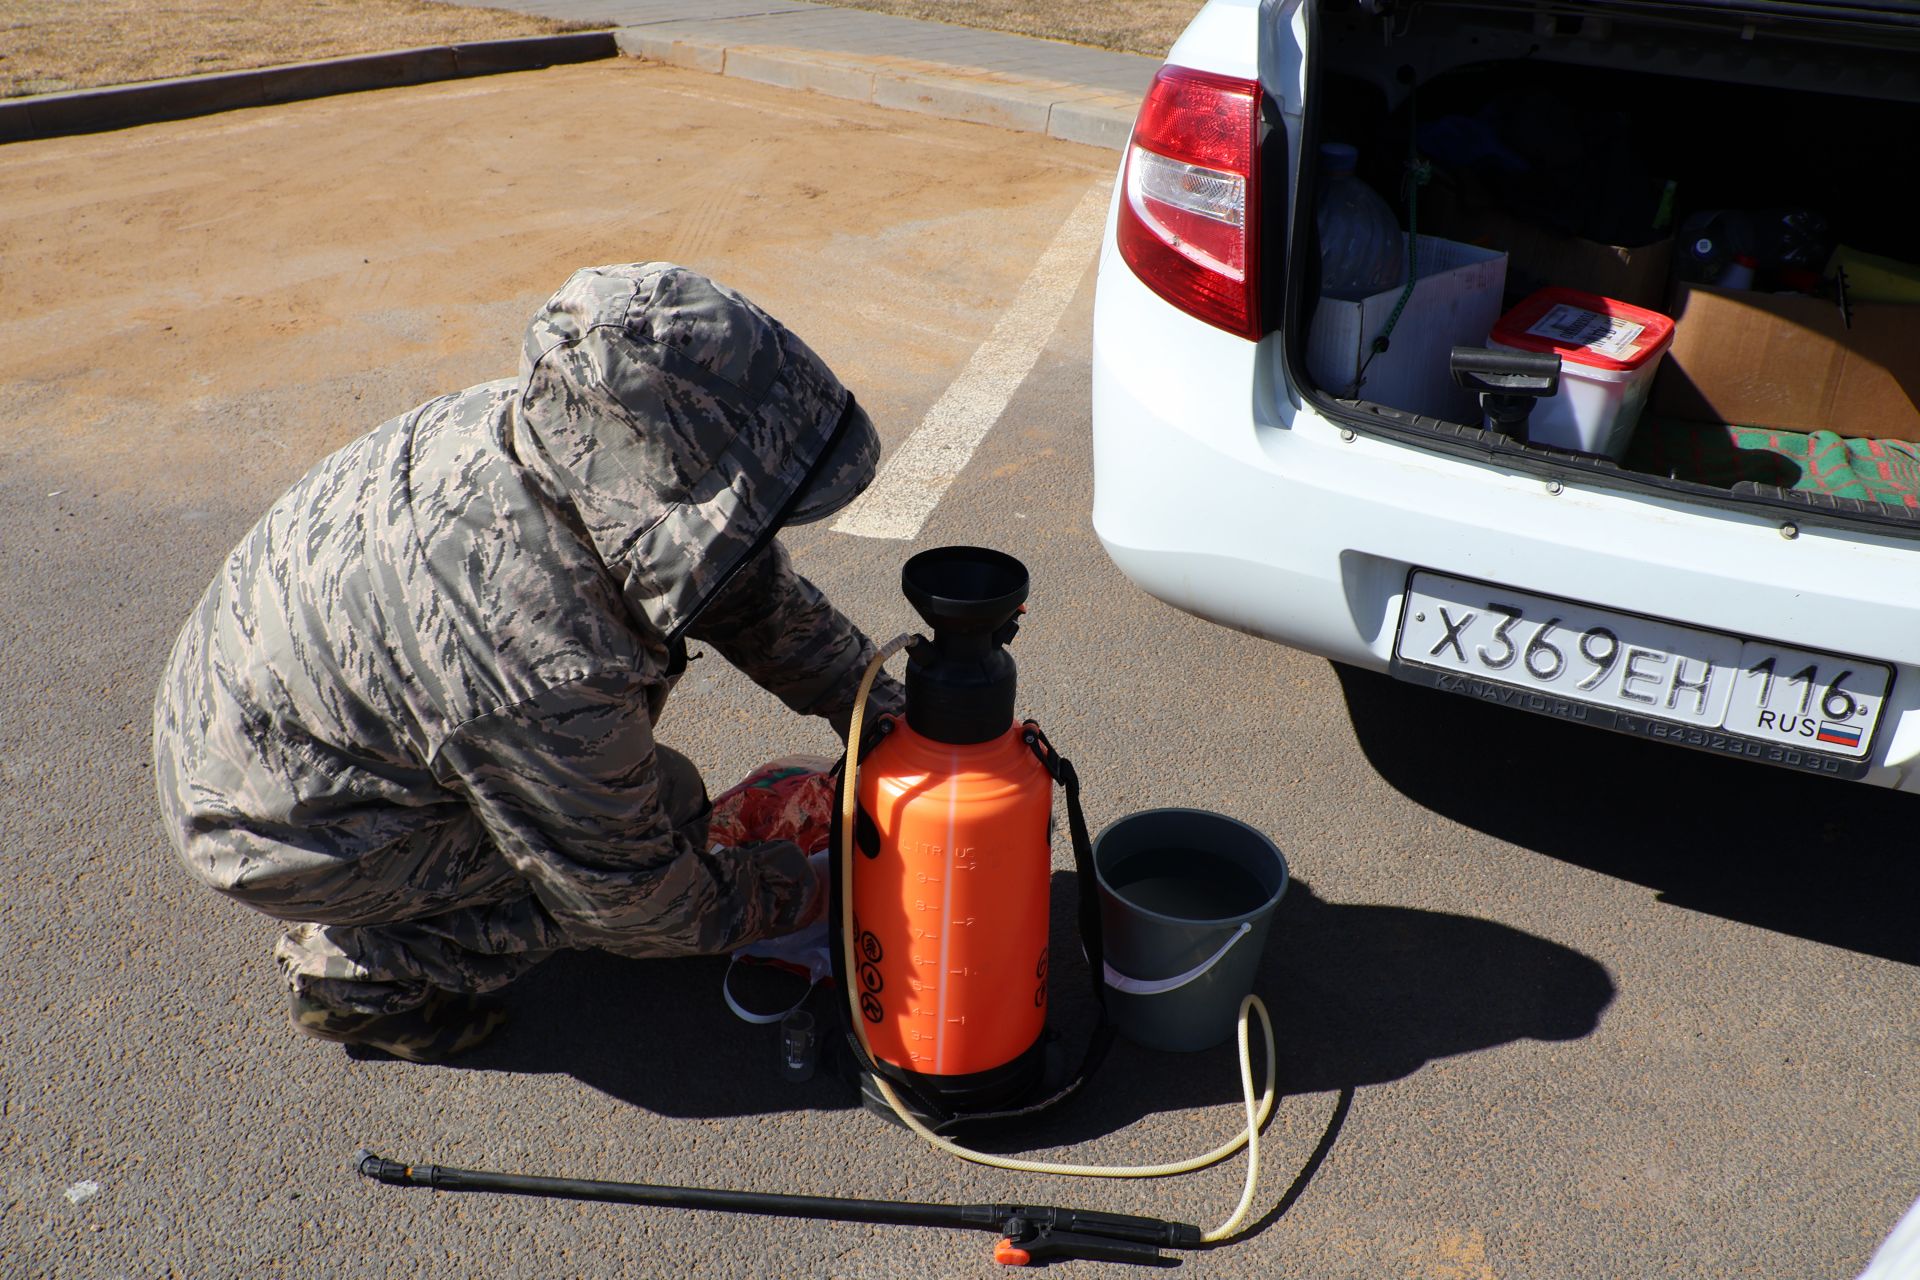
(1647, 676)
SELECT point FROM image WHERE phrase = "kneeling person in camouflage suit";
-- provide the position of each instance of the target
(414, 715)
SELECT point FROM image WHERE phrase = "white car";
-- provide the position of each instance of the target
(1743, 618)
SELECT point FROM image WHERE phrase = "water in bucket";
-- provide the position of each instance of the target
(1190, 884)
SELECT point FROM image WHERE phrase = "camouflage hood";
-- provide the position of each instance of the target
(682, 423)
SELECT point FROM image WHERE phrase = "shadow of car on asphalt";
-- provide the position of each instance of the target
(1828, 861)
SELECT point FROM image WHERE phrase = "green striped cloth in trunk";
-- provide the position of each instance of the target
(1885, 471)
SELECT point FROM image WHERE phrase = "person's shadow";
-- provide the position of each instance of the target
(658, 1034)
(1360, 994)
(1816, 858)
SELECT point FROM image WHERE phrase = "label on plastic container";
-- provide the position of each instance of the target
(1610, 336)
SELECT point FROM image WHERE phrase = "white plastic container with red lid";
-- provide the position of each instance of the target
(1609, 351)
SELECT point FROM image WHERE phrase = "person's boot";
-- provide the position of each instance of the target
(446, 1024)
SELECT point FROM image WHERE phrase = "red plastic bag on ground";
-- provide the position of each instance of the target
(786, 799)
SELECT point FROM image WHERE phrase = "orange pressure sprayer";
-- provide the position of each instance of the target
(950, 880)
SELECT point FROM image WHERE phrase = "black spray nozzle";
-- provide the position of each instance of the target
(369, 1165)
(1508, 382)
(960, 684)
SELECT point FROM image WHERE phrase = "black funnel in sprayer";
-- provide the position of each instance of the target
(960, 684)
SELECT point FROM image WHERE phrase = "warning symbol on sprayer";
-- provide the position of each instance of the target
(870, 1007)
(870, 947)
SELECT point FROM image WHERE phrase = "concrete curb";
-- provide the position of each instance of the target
(1057, 108)
(119, 106)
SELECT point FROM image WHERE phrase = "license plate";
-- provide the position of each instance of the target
(1771, 702)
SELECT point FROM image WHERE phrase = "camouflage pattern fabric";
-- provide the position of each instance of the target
(418, 701)
(477, 947)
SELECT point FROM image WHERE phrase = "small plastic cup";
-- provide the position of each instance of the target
(799, 1046)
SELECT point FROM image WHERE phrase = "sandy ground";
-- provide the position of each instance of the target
(48, 46)
(171, 288)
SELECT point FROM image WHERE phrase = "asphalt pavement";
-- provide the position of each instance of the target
(1550, 1003)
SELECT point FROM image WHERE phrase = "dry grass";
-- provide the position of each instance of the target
(51, 45)
(1133, 26)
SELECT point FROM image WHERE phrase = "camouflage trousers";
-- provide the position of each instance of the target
(475, 947)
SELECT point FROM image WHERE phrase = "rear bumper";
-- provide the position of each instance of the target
(1217, 491)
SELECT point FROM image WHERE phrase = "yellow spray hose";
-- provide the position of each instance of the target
(1257, 1112)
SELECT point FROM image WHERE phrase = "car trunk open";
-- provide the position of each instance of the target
(1593, 147)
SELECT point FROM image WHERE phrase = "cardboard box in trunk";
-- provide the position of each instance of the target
(1787, 361)
(1454, 304)
(1538, 258)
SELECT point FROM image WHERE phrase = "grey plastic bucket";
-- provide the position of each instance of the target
(1186, 899)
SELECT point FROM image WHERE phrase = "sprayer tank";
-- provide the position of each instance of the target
(951, 914)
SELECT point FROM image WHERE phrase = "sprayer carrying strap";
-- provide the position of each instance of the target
(1060, 769)
(1092, 939)
(1092, 936)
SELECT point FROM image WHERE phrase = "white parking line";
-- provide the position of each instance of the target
(911, 483)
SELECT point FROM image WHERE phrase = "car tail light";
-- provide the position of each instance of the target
(1188, 215)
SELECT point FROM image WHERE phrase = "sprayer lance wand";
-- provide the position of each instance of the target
(1029, 1233)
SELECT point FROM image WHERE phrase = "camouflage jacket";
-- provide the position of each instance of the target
(428, 678)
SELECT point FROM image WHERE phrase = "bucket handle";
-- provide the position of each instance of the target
(1159, 986)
